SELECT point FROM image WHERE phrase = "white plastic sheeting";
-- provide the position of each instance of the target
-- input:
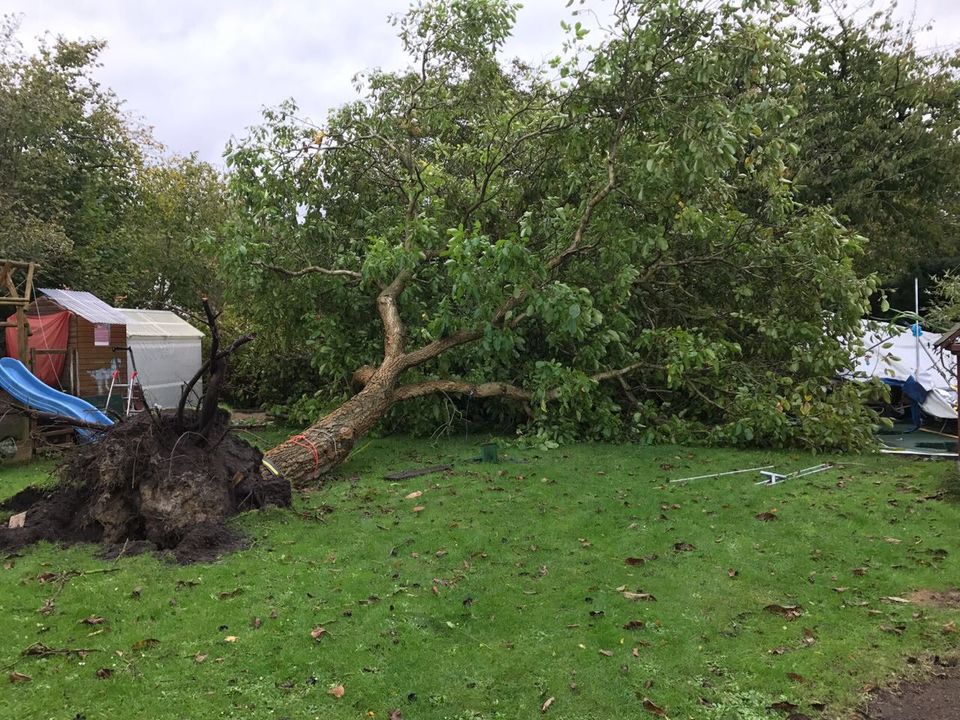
(167, 352)
(891, 354)
(88, 306)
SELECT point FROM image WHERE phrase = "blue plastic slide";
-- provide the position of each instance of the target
(27, 389)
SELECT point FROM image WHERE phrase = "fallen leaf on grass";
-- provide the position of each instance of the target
(145, 643)
(892, 540)
(839, 589)
(231, 638)
(808, 637)
(683, 547)
(779, 650)
(635, 625)
(46, 577)
(635, 652)
(93, 620)
(199, 658)
(638, 596)
(893, 629)
(48, 607)
(790, 612)
(418, 508)
(414, 495)
(766, 516)
(256, 623)
(546, 704)
(859, 571)
(650, 707)
(796, 677)
(732, 573)
(895, 599)
(19, 677)
(337, 691)
(395, 715)
(104, 673)
(606, 653)
(229, 593)
(318, 632)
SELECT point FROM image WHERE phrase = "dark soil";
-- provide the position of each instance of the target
(144, 484)
(935, 698)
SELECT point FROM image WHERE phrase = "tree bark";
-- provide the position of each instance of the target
(328, 442)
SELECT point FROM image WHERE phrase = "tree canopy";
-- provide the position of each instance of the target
(613, 243)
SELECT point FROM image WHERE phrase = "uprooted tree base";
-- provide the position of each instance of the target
(144, 485)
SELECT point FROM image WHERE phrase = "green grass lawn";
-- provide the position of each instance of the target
(505, 590)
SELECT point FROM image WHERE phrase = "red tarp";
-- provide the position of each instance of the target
(47, 332)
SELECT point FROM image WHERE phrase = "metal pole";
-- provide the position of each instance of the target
(916, 334)
(956, 356)
(722, 474)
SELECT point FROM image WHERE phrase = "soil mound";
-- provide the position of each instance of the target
(143, 482)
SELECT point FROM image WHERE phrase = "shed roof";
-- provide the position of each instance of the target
(157, 323)
(86, 305)
(950, 337)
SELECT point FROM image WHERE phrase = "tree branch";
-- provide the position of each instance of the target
(457, 387)
(390, 316)
(308, 270)
(491, 389)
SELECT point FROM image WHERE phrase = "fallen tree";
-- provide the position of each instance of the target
(611, 243)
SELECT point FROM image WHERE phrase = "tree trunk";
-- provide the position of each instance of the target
(328, 442)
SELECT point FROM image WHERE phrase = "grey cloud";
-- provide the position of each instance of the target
(199, 71)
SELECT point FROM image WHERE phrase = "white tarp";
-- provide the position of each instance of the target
(167, 352)
(891, 354)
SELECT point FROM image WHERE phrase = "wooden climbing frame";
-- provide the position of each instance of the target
(16, 292)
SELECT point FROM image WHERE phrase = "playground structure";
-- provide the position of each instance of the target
(70, 355)
(16, 292)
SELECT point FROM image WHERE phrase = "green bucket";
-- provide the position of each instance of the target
(488, 453)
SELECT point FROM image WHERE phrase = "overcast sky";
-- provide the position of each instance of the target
(200, 71)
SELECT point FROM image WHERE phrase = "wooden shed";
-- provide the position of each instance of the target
(83, 362)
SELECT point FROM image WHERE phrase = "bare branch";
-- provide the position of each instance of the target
(308, 270)
(494, 389)
(390, 315)
(457, 387)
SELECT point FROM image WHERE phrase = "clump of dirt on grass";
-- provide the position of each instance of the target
(936, 598)
(146, 484)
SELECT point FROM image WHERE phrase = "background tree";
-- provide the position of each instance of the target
(67, 159)
(611, 244)
(86, 192)
(878, 125)
(178, 207)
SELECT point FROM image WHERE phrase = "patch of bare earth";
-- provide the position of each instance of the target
(937, 598)
(935, 698)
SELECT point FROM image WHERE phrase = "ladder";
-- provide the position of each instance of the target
(134, 392)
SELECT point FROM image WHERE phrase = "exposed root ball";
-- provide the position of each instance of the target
(144, 481)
